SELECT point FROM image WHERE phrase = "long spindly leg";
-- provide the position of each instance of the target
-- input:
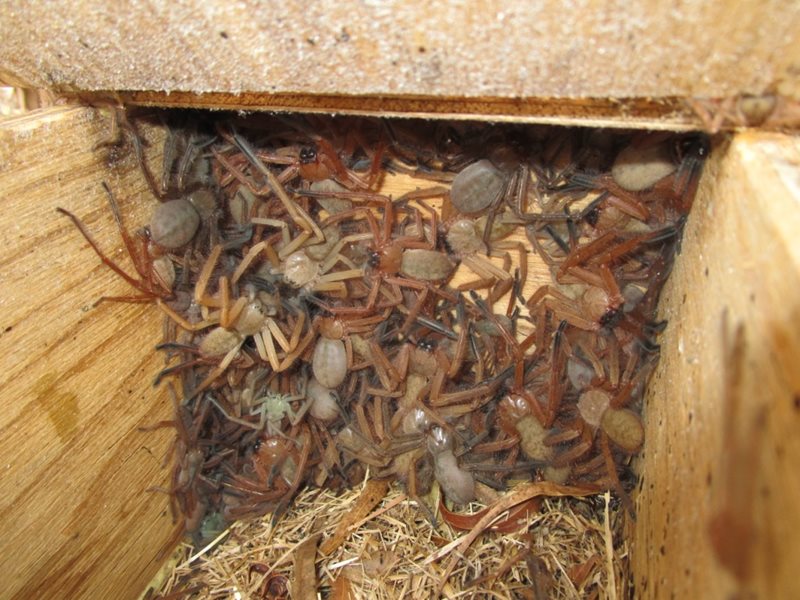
(611, 470)
(583, 253)
(295, 244)
(176, 368)
(295, 418)
(340, 276)
(236, 310)
(561, 306)
(203, 278)
(588, 350)
(298, 351)
(225, 302)
(627, 203)
(556, 384)
(500, 289)
(181, 320)
(296, 212)
(413, 312)
(266, 348)
(297, 331)
(522, 251)
(612, 357)
(247, 260)
(461, 343)
(234, 418)
(386, 372)
(105, 259)
(366, 324)
(412, 490)
(569, 457)
(571, 314)
(299, 475)
(218, 370)
(334, 255)
(476, 284)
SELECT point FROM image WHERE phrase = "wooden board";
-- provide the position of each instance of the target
(724, 410)
(75, 516)
(511, 51)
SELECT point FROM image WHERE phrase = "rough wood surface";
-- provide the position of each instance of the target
(484, 49)
(76, 520)
(717, 513)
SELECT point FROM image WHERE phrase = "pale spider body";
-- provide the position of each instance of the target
(457, 484)
(270, 407)
(274, 407)
(477, 187)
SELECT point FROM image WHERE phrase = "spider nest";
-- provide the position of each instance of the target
(569, 549)
(471, 324)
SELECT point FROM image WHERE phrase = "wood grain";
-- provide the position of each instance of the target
(723, 410)
(481, 49)
(75, 516)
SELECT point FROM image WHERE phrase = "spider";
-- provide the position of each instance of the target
(155, 280)
(271, 408)
(173, 225)
(273, 474)
(407, 261)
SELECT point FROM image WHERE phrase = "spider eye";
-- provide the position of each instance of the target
(610, 318)
(696, 146)
(426, 345)
(308, 155)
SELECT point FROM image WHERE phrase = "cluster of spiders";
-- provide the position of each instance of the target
(318, 327)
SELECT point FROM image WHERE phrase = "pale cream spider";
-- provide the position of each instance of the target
(270, 407)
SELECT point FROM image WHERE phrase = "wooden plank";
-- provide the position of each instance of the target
(508, 49)
(724, 409)
(76, 383)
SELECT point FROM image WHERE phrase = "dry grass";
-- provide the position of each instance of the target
(570, 549)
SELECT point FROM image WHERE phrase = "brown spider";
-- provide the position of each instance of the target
(274, 473)
(155, 279)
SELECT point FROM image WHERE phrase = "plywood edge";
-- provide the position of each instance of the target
(719, 488)
(667, 113)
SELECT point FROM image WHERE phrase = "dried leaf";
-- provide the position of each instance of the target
(517, 517)
(341, 588)
(275, 587)
(304, 575)
(579, 573)
(374, 491)
(521, 493)
(542, 581)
